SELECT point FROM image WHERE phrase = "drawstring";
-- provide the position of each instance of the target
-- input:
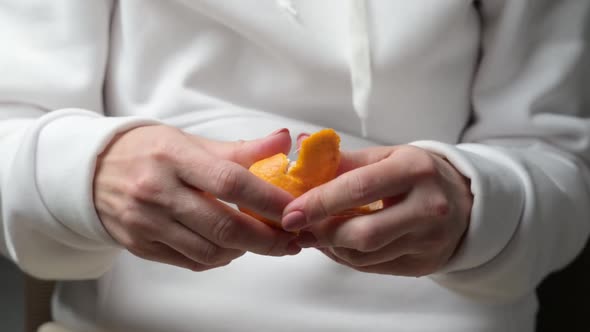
(360, 55)
(360, 60)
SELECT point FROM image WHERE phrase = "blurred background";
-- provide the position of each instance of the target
(11, 297)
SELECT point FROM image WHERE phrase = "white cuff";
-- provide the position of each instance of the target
(498, 202)
(68, 146)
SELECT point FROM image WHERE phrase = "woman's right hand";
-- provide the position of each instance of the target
(156, 191)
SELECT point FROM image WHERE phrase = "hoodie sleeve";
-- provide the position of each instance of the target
(53, 58)
(527, 150)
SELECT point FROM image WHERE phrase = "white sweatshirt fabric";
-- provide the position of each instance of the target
(499, 88)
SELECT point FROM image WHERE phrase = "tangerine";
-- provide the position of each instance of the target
(318, 162)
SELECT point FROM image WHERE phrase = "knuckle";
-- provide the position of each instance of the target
(161, 152)
(367, 239)
(274, 249)
(183, 206)
(237, 148)
(212, 254)
(423, 166)
(437, 205)
(357, 188)
(145, 187)
(133, 221)
(137, 223)
(129, 217)
(226, 181)
(321, 207)
(266, 205)
(165, 150)
(224, 230)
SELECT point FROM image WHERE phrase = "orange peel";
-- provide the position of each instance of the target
(318, 162)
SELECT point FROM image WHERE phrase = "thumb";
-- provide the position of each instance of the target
(246, 153)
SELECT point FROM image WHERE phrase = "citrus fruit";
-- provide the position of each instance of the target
(318, 162)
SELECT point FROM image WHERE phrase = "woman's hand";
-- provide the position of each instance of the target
(156, 191)
(427, 204)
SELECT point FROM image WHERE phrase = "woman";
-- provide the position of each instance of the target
(469, 119)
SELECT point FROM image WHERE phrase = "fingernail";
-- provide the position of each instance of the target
(294, 221)
(293, 248)
(300, 139)
(279, 131)
(302, 136)
(307, 240)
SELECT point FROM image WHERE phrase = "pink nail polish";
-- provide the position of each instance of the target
(279, 131)
(302, 136)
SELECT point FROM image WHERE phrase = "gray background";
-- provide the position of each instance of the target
(11, 298)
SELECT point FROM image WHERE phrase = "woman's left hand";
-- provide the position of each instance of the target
(427, 204)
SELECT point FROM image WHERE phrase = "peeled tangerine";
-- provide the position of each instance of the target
(319, 158)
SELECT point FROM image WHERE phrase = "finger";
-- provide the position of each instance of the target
(350, 160)
(411, 265)
(159, 252)
(368, 233)
(229, 228)
(196, 247)
(141, 230)
(233, 183)
(246, 153)
(406, 265)
(402, 246)
(300, 138)
(413, 213)
(358, 187)
(330, 254)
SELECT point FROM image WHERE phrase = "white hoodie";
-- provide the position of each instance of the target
(500, 90)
